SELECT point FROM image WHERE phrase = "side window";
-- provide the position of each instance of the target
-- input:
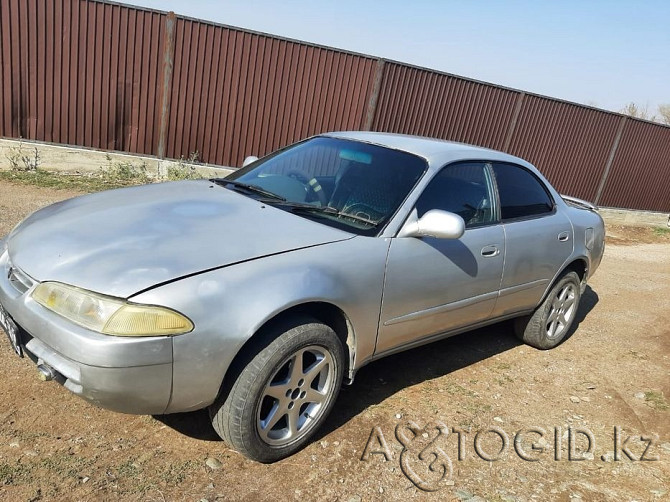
(464, 189)
(521, 193)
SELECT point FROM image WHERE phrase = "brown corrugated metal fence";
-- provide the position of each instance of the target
(81, 73)
(640, 173)
(570, 142)
(236, 93)
(422, 102)
(110, 76)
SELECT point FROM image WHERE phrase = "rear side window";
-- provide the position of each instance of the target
(521, 194)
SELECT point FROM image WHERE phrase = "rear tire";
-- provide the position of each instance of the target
(284, 393)
(552, 320)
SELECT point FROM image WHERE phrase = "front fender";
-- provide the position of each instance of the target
(229, 305)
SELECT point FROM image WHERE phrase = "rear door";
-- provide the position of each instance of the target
(538, 238)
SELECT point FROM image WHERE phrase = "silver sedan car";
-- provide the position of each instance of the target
(258, 294)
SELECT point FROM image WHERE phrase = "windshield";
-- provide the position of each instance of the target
(347, 184)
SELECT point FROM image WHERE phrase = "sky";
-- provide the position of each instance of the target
(604, 53)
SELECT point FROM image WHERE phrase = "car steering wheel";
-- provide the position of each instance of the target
(311, 185)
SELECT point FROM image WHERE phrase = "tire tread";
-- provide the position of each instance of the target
(530, 329)
(230, 414)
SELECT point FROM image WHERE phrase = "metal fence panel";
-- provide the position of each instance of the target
(117, 77)
(570, 144)
(422, 102)
(640, 175)
(80, 72)
(237, 93)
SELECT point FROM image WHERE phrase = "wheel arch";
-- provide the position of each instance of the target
(324, 312)
(579, 265)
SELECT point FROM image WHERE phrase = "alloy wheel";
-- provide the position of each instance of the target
(295, 396)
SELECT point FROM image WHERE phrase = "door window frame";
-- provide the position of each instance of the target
(490, 165)
(492, 187)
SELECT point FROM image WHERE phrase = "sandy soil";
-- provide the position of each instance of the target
(612, 372)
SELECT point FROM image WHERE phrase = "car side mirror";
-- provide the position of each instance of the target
(435, 223)
(250, 159)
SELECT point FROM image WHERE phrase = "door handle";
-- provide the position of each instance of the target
(564, 236)
(490, 251)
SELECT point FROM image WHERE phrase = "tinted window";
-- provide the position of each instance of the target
(463, 189)
(521, 193)
(319, 158)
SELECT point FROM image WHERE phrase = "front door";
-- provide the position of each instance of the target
(436, 285)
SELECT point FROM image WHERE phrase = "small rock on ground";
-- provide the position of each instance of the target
(213, 463)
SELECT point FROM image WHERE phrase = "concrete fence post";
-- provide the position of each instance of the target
(166, 83)
(515, 119)
(610, 160)
(374, 96)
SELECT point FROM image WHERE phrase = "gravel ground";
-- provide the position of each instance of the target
(469, 397)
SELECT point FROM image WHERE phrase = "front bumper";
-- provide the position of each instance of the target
(128, 375)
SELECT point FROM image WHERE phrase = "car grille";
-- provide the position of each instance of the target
(20, 281)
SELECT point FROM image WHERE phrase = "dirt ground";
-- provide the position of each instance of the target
(613, 373)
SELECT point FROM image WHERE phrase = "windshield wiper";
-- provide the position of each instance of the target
(249, 188)
(296, 206)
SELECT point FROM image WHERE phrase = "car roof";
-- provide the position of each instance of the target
(436, 151)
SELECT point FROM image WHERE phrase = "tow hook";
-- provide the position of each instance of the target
(45, 372)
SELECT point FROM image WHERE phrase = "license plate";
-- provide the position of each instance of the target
(12, 330)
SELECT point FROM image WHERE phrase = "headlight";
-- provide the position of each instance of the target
(108, 315)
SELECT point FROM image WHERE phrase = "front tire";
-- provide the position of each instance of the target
(551, 321)
(284, 393)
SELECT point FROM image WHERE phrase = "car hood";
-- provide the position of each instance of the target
(121, 242)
